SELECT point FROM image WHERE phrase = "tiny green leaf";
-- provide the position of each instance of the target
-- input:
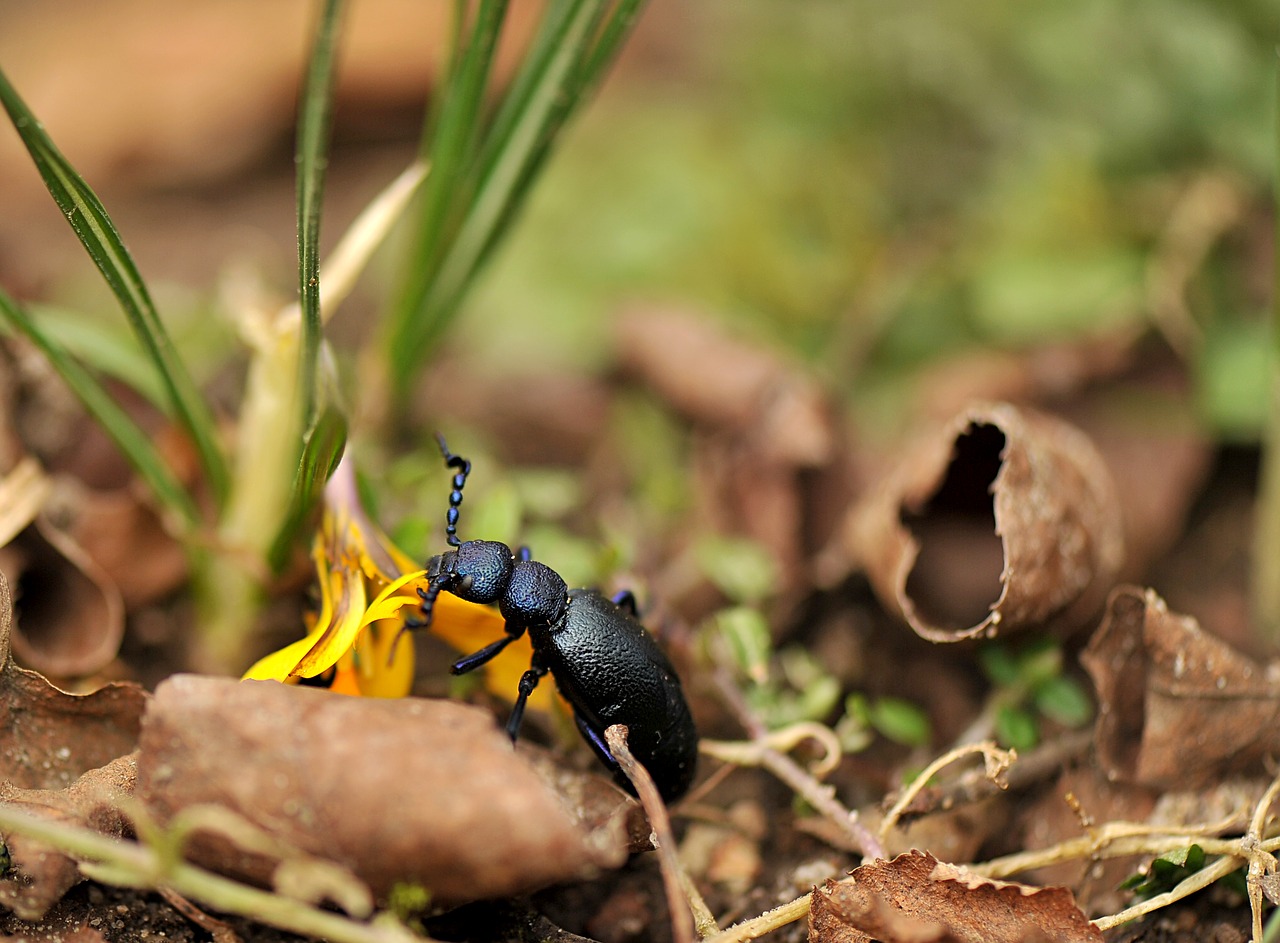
(901, 721)
(1064, 700)
(741, 569)
(319, 458)
(747, 640)
(1016, 728)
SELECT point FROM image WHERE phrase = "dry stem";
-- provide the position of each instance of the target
(681, 902)
(131, 864)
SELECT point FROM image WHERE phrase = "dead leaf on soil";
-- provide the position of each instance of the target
(70, 617)
(121, 532)
(1177, 707)
(1003, 519)
(394, 791)
(64, 757)
(916, 899)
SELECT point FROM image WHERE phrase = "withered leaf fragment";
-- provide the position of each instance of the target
(1177, 706)
(414, 790)
(65, 757)
(1003, 519)
(916, 899)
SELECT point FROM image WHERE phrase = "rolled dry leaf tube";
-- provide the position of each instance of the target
(1002, 519)
(1177, 707)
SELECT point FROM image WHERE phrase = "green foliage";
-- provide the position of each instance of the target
(98, 234)
(893, 718)
(482, 170)
(1029, 686)
(1168, 870)
(741, 569)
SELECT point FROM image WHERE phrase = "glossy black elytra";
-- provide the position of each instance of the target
(606, 665)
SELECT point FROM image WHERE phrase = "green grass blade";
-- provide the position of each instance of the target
(132, 441)
(320, 457)
(453, 144)
(98, 234)
(104, 349)
(316, 110)
(577, 42)
(593, 62)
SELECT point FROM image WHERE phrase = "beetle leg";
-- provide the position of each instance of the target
(595, 741)
(524, 555)
(528, 681)
(485, 655)
(626, 599)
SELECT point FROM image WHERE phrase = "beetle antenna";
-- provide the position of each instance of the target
(455, 494)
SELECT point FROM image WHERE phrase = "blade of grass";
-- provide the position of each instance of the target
(457, 128)
(567, 60)
(101, 348)
(127, 434)
(459, 123)
(1266, 548)
(320, 457)
(313, 135)
(90, 222)
(592, 64)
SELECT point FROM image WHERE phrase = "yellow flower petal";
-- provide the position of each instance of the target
(346, 620)
(278, 666)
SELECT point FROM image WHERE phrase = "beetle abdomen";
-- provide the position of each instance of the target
(613, 672)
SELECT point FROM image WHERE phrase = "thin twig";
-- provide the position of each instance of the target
(1185, 888)
(1032, 768)
(127, 863)
(768, 921)
(818, 795)
(220, 930)
(997, 762)
(1259, 861)
(678, 901)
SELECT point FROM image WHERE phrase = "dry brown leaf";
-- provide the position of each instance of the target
(1001, 520)
(121, 532)
(1177, 707)
(916, 899)
(64, 757)
(70, 617)
(393, 791)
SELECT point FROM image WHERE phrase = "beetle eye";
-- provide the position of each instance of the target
(484, 569)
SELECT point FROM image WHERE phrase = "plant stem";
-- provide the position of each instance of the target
(1266, 550)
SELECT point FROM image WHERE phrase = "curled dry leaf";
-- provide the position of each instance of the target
(1002, 519)
(70, 618)
(73, 617)
(915, 898)
(121, 532)
(1177, 707)
(62, 756)
(415, 791)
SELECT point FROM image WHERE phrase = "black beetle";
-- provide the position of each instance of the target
(606, 665)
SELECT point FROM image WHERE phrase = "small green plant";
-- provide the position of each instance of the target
(1169, 870)
(1029, 687)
